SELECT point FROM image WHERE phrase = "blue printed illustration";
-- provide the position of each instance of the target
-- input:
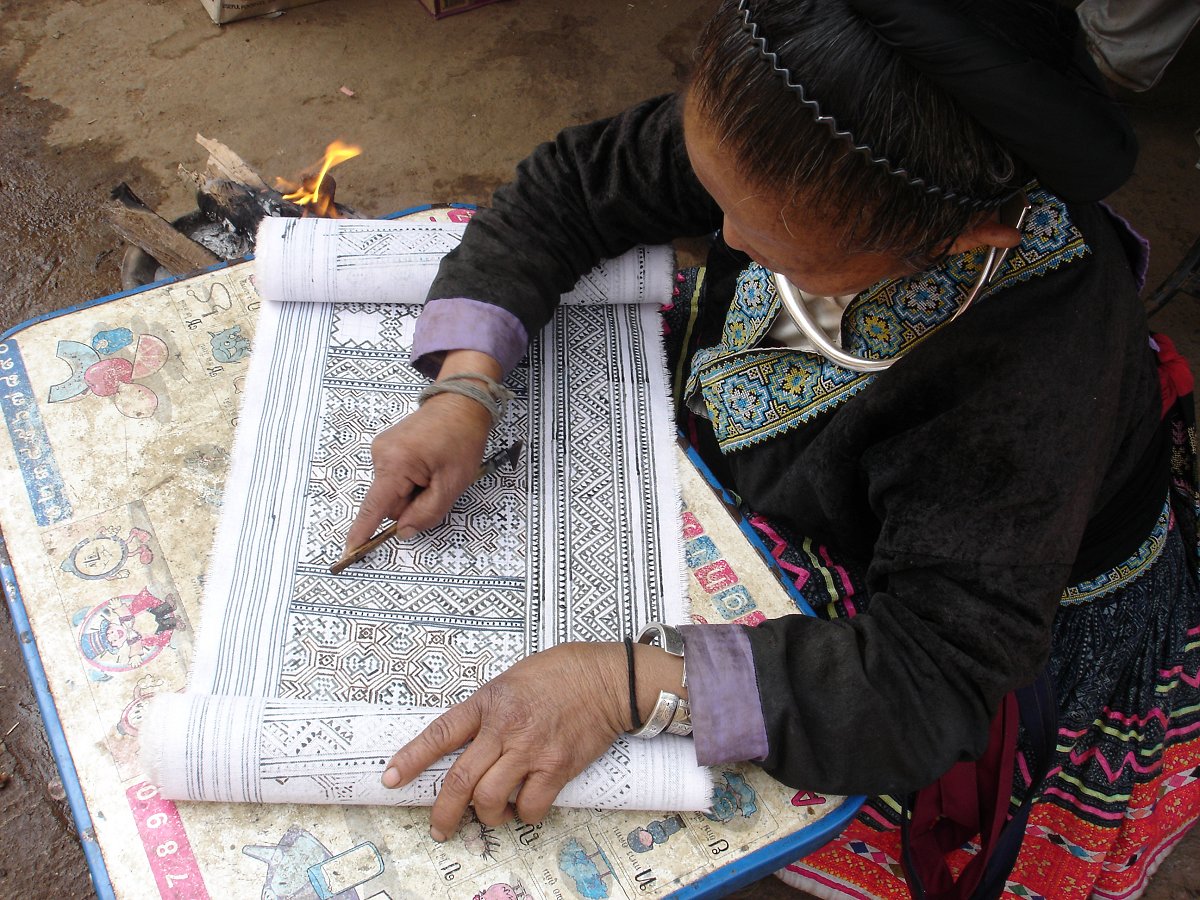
(732, 798)
(111, 340)
(734, 602)
(31, 445)
(659, 831)
(700, 551)
(104, 557)
(229, 346)
(300, 868)
(584, 869)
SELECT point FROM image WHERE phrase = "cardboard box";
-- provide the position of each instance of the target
(223, 11)
(441, 8)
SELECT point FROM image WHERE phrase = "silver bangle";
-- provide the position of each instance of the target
(660, 717)
(667, 637)
(492, 395)
(671, 714)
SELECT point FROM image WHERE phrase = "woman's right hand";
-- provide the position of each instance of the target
(435, 452)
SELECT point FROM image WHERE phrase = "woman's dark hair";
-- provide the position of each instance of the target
(882, 100)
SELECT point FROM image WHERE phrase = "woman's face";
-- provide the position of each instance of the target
(781, 234)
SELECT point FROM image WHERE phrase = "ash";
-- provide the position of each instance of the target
(222, 240)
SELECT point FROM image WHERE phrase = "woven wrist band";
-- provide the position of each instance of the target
(492, 395)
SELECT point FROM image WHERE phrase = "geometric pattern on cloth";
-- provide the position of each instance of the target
(1121, 575)
(753, 392)
(579, 542)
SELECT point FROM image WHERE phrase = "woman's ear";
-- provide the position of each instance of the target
(988, 233)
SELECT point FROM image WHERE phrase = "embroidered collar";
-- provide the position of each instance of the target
(755, 393)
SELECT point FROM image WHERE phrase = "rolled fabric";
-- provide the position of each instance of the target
(255, 750)
(381, 261)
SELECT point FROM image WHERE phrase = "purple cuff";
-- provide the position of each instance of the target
(1136, 245)
(462, 324)
(727, 719)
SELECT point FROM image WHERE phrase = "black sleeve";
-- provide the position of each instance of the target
(594, 192)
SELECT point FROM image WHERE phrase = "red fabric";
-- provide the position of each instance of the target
(1175, 378)
(971, 799)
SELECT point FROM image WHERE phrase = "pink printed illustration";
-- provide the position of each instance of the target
(126, 632)
(807, 798)
(168, 850)
(502, 891)
(97, 369)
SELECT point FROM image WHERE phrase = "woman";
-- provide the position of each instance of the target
(998, 496)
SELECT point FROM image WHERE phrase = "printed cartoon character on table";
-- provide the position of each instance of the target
(586, 870)
(148, 686)
(731, 798)
(503, 891)
(229, 346)
(642, 840)
(122, 739)
(126, 632)
(479, 839)
(103, 557)
(97, 369)
(300, 868)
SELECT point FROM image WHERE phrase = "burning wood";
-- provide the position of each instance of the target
(232, 200)
(140, 225)
(317, 191)
(224, 163)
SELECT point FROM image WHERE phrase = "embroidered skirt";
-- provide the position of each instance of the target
(1125, 786)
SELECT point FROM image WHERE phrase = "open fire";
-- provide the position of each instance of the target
(315, 192)
(232, 199)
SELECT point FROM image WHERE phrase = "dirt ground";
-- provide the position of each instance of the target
(94, 92)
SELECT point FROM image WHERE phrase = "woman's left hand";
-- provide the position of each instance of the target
(531, 730)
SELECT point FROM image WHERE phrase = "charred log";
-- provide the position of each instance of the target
(140, 225)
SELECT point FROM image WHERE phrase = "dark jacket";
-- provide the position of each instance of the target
(961, 482)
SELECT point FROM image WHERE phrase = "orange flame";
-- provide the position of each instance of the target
(308, 193)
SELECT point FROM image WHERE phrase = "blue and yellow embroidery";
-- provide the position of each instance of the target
(1133, 568)
(753, 394)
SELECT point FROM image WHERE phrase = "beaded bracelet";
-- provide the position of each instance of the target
(493, 396)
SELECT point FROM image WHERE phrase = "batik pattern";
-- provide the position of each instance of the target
(580, 543)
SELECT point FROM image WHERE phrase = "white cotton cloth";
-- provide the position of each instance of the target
(301, 681)
(381, 261)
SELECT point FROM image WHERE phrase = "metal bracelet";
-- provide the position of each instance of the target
(666, 636)
(492, 395)
(679, 721)
(660, 717)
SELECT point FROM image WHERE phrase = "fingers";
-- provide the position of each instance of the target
(537, 795)
(431, 505)
(443, 735)
(482, 777)
(432, 456)
(459, 786)
(382, 500)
